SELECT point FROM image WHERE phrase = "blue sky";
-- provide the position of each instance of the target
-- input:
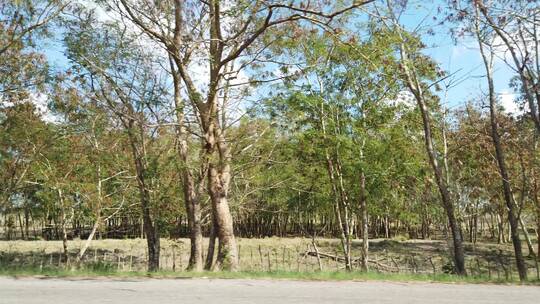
(461, 58)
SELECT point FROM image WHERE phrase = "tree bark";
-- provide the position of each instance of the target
(218, 185)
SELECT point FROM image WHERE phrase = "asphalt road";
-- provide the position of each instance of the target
(161, 291)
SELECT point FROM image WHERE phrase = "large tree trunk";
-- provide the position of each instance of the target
(218, 157)
(501, 162)
(218, 183)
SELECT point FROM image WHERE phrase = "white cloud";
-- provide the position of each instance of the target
(40, 102)
(508, 102)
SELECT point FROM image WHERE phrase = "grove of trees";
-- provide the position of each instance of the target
(255, 118)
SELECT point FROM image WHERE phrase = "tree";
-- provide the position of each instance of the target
(225, 43)
(22, 24)
(487, 57)
(117, 73)
(412, 78)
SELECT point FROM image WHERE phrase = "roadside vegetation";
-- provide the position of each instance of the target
(294, 258)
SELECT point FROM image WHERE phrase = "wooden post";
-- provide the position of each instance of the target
(536, 265)
(239, 255)
(275, 254)
(432, 265)
(269, 262)
(261, 258)
(283, 259)
(297, 260)
(174, 259)
(251, 257)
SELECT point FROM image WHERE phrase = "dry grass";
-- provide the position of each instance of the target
(269, 255)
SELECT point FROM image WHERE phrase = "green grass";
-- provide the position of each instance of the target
(100, 271)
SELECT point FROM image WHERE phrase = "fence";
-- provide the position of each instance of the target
(271, 259)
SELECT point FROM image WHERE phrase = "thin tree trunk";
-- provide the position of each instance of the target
(527, 238)
(191, 191)
(211, 245)
(365, 224)
(500, 156)
(88, 241)
(26, 222)
(65, 256)
(414, 85)
(150, 230)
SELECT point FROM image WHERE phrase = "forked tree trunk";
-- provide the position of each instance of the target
(217, 158)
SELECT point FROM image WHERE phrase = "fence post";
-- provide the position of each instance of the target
(261, 258)
(432, 265)
(174, 259)
(269, 261)
(251, 257)
(297, 259)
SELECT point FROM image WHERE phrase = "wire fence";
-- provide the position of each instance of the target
(270, 259)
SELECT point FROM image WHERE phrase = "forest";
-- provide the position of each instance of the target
(221, 121)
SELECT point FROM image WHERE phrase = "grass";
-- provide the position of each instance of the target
(105, 272)
(272, 258)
